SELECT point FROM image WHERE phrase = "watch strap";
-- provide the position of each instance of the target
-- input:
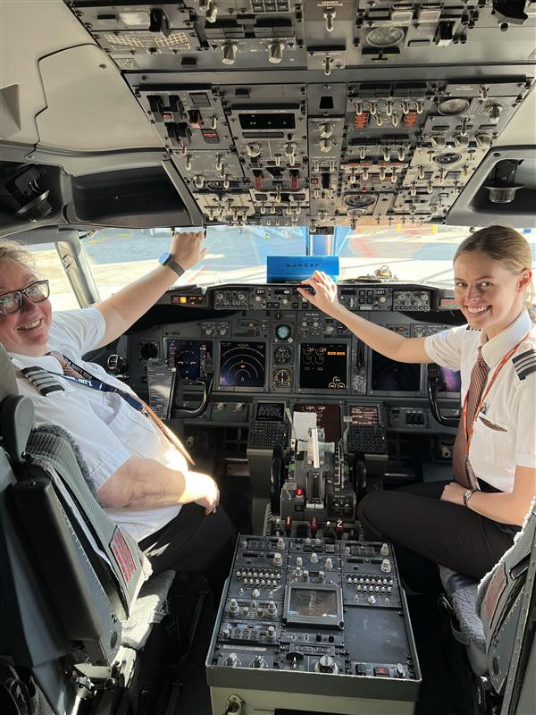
(467, 495)
(167, 260)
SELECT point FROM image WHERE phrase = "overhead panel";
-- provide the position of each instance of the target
(320, 113)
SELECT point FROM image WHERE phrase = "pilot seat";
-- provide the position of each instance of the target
(78, 603)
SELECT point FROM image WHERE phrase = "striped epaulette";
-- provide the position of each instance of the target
(43, 381)
(525, 363)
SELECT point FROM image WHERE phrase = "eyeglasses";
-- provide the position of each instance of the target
(12, 302)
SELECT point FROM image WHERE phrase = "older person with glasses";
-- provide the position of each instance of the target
(140, 474)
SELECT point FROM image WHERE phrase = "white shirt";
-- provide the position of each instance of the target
(106, 428)
(505, 429)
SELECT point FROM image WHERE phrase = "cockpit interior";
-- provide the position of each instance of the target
(361, 138)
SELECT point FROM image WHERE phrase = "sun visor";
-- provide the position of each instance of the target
(147, 198)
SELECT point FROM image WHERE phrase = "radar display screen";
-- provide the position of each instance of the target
(242, 364)
(450, 380)
(323, 366)
(328, 418)
(191, 358)
(313, 605)
(391, 376)
(364, 415)
(270, 412)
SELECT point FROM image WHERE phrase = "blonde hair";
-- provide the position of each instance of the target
(12, 251)
(505, 245)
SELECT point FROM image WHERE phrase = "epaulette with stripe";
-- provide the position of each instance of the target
(525, 363)
(42, 380)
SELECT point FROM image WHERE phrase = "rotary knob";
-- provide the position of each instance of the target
(229, 53)
(314, 558)
(329, 564)
(386, 566)
(232, 661)
(277, 560)
(258, 662)
(326, 664)
(271, 608)
(271, 633)
(233, 606)
(325, 145)
(275, 52)
(384, 550)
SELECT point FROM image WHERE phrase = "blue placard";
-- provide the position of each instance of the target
(293, 269)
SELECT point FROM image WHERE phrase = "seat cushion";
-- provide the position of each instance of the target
(148, 609)
(462, 594)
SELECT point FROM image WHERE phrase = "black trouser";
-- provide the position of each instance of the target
(194, 542)
(427, 531)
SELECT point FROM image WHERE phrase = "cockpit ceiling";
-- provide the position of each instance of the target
(315, 113)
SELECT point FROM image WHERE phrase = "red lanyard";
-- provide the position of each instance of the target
(469, 435)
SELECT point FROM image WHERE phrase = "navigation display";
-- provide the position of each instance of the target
(364, 415)
(190, 357)
(391, 376)
(323, 366)
(242, 364)
(450, 380)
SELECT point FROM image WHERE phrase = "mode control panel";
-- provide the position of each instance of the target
(356, 296)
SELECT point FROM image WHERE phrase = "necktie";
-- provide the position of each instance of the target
(70, 371)
(479, 376)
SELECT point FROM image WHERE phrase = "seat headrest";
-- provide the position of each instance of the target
(8, 381)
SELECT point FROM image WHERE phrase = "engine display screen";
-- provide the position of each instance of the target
(323, 366)
(450, 380)
(242, 364)
(364, 415)
(192, 358)
(328, 418)
(310, 605)
(391, 376)
(270, 412)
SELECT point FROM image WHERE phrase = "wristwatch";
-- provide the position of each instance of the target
(166, 259)
(468, 493)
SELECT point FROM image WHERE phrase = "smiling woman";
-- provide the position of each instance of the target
(25, 311)
(466, 524)
(492, 270)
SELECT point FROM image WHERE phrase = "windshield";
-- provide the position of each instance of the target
(417, 254)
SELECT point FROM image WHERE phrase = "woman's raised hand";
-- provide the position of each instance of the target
(323, 294)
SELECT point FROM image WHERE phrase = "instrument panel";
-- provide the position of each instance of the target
(290, 349)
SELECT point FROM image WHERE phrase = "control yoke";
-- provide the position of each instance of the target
(435, 382)
(182, 411)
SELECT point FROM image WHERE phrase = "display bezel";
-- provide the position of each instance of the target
(320, 390)
(313, 621)
(200, 341)
(236, 388)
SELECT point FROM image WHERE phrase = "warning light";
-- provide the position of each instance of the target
(182, 299)
(299, 492)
